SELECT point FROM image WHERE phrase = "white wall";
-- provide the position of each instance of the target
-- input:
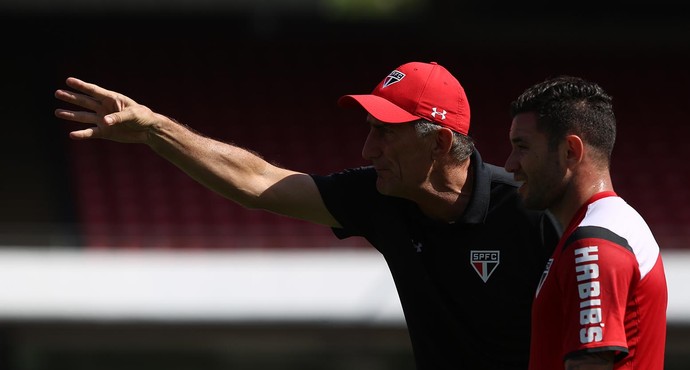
(236, 285)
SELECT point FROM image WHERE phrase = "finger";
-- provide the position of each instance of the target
(81, 100)
(82, 117)
(88, 88)
(96, 92)
(89, 133)
(119, 117)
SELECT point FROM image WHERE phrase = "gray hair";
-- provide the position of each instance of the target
(462, 146)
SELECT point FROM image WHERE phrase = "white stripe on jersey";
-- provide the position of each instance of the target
(616, 215)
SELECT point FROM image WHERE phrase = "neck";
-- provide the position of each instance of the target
(446, 193)
(578, 191)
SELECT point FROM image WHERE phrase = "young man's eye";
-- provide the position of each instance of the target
(520, 145)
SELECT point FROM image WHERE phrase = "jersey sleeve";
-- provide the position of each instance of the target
(597, 273)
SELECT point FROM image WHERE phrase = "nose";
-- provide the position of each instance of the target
(371, 149)
(512, 164)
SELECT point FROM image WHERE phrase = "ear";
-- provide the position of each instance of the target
(575, 149)
(443, 142)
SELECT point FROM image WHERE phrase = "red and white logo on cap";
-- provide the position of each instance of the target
(394, 77)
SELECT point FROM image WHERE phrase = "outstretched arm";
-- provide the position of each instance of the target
(235, 173)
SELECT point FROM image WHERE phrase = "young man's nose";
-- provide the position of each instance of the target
(511, 164)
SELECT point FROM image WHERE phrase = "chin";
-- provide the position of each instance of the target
(527, 201)
(533, 203)
(386, 189)
(524, 195)
(381, 187)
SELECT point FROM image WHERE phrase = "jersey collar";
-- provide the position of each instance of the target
(580, 214)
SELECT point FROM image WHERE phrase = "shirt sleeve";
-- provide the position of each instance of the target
(597, 273)
(349, 196)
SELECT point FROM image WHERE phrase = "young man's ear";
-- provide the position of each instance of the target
(575, 149)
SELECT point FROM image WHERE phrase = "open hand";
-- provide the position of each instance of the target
(114, 116)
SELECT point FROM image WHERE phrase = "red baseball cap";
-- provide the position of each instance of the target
(417, 90)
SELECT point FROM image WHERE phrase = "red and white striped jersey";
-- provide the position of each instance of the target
(604, 289)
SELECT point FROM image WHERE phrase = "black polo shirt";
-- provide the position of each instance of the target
(466, 287)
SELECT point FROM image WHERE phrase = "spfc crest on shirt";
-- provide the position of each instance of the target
(485, 262)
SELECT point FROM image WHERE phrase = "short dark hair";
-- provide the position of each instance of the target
(568, 105)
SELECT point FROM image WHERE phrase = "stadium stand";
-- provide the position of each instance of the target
(284, 107)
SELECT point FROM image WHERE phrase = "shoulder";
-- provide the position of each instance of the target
(497, 190)
(352, 185)
(613, 220)
(488, 173)
(365, 175)
(614, 217)
(499, 176)
(609, 219)
(496, 184)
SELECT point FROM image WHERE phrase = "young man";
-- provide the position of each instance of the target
(601, 303)
(464, 253)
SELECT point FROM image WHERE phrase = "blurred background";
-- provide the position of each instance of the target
(112, 258)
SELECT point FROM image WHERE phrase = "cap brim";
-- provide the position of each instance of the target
(380, 108)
